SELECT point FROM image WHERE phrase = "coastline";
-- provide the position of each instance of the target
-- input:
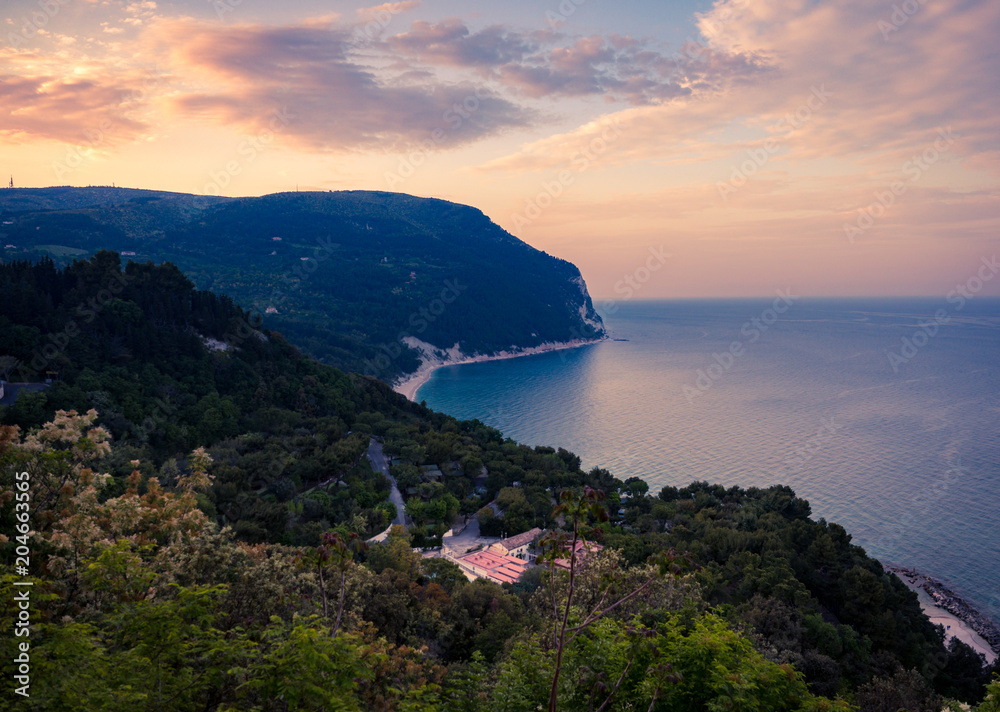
(431, 360)
(946, 608)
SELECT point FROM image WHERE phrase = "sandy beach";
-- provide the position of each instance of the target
(431, 361)
(954, 626)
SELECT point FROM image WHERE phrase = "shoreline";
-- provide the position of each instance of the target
(946, 608)
(430, 363)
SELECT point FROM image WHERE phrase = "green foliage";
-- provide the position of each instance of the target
(305, 667)
(992, 701)
(191, 545)
(678, 666)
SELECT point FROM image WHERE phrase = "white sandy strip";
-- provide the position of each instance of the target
(954, 627)
(430, 363)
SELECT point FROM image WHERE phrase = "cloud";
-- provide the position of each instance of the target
(757, 65)
(551, 64)
(40, 97)
(451, 43)
(337, 102)
(378, 13)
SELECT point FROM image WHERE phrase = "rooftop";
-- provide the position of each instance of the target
(519, 540)
(502, 569)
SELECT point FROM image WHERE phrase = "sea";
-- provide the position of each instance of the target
(883, 413)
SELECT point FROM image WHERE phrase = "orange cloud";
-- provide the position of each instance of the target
(57, 99)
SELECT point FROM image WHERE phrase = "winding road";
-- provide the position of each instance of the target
(377, 459)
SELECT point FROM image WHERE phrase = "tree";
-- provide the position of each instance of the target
(636, 487)
(416, 509)
(578, 513)
(906, 689)
(992, 701)
(336, 552)
(8, 364)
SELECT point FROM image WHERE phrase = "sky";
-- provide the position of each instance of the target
(669, 149)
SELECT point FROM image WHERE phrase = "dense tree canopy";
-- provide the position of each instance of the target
(192, 509)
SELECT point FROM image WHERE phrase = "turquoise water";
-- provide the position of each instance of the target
(900, 444)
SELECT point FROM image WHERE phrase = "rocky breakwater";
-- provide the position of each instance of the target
(950, 601)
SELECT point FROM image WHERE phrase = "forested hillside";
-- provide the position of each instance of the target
(198, 497)
(347, 276)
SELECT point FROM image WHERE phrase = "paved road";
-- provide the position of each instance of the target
(377, 458)
(467, 539)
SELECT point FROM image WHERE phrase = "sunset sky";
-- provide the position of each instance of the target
(845, 147)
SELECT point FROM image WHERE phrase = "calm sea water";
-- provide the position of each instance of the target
(898, 443)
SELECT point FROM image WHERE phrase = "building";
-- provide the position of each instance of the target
(517, 545)
(493, 566)
(580, 552)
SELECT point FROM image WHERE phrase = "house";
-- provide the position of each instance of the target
(580, 552)
(517, 545)
(431, 473)
(128, 253)
(493, 566)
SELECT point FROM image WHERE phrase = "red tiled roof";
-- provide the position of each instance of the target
(503, 569)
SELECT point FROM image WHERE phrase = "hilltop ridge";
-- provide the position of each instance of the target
(347, 276)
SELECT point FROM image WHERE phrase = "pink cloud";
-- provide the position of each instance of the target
(337, 102)
(39, 99)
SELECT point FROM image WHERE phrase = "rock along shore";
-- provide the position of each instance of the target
(950, 601)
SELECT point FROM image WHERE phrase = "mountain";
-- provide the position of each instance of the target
(183, 557)
(360, 280)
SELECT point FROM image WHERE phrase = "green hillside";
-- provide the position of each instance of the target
(191, 543)
(347, 276)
